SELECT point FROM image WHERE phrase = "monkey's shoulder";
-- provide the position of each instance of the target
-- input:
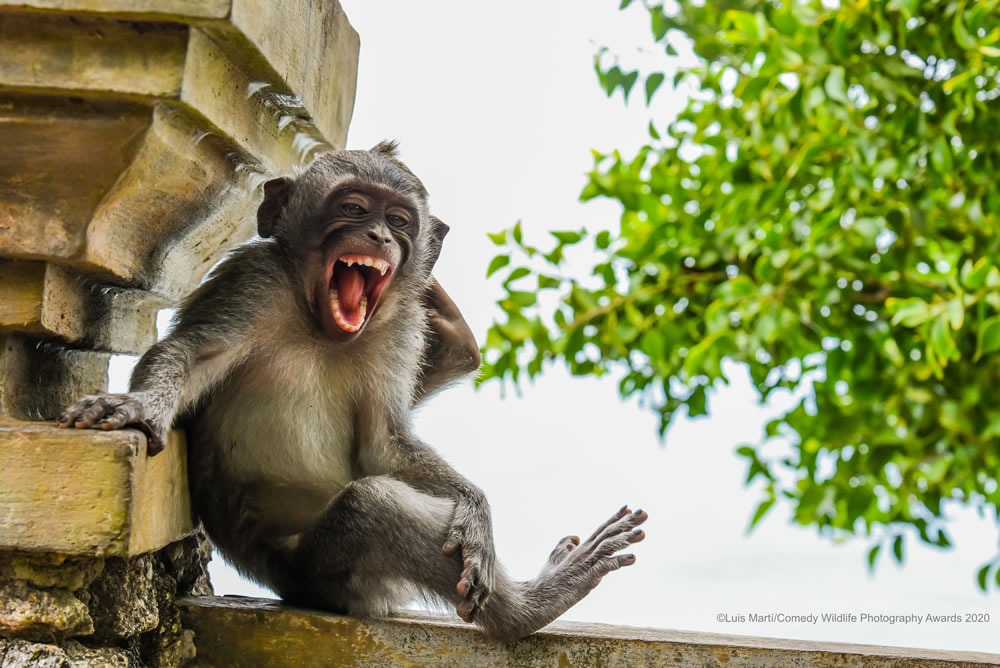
(250, 281)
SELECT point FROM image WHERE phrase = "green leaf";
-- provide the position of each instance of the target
(568, 237)
(955, 312)
(499, 239)
(944, 345)
(989, 336)
(908, 312)
(746, 23)
(653, 82)
(762, 509)
(981, 576)
(522, 298)
(897, 548)
(962, 35)
(517, 233)
(548, 282)
(941, 156)
(603, 240)
(872, 556)
(497, 263)
(834, 86)
(976, 277)
(628, 81)
(519, 272)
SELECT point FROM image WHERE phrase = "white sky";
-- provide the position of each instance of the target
(496, 108)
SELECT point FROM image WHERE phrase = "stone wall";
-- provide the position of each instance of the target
(136, 135)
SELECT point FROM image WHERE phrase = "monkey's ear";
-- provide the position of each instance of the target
(438, 231)
(389, 148)
(276, 193)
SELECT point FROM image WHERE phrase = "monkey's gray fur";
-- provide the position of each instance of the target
(303, 464)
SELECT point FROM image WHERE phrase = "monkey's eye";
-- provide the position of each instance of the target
(397, 221)
(353, 209)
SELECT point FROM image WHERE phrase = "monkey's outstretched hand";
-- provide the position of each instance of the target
(472, 531)
(113, 411)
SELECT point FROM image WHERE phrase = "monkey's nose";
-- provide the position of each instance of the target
(379, 237)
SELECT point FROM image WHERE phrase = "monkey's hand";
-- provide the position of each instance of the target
(451, 351)
(114, 411)
(472, 531)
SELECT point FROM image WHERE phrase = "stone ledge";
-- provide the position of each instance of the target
(90, 492)
(237, 631)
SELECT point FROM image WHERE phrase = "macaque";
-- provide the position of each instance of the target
(294, 369)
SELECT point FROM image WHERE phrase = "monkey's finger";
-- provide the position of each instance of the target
(450, 546)
(70, 415)
(116, 419)
(622, 512)
(91, 414)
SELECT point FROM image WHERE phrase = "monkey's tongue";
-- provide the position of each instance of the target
(347, 299)
(350, 287)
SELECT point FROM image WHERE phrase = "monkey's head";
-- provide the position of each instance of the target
(357, 227)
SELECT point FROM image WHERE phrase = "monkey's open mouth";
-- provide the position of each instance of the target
(355, 287)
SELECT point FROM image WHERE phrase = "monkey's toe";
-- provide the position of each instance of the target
(563, 548)
(622, 512)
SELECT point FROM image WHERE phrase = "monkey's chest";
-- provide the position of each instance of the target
(284, 428)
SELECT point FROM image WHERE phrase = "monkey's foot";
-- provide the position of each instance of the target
(581, 566)
(111, 411)
(475, 536)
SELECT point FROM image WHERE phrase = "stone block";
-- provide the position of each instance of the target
(70, 654)
(123, 599)
(46, 570)
(41, 299)
(40, 614)
(90, 492)
(175, 9)
(234, 631)
(314, 49)
(50, 184)
(39, 379)
(87, 53)
(194, 190)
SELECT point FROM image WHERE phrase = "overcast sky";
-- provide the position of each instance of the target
(496, 108)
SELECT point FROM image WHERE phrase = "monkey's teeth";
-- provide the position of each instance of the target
(339, 316)
(381, 265)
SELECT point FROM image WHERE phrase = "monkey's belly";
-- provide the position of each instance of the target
(283, 453)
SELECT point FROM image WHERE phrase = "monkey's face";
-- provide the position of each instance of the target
(357, 225)
(365, 241)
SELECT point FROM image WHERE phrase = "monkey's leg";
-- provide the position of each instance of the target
(382, 534)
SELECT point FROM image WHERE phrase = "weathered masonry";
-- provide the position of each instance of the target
(134, 136)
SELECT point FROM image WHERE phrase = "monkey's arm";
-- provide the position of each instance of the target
(451, 351)
(209, 335)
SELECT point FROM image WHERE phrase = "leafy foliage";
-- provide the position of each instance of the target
(825, 208)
